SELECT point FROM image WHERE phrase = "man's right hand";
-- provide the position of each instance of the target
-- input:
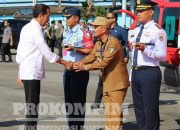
(69, 65)
(19, 82)
(126, 60)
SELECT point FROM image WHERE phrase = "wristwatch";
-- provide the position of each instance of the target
(75, 49)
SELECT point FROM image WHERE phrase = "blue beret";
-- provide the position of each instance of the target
(71, 11)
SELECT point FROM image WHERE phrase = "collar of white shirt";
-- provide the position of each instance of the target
(37, 24)
(148, 24)
(74, 29)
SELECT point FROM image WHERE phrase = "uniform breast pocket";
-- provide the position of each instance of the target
(97, 54)
(146, 38)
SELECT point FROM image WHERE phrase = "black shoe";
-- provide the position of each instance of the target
(95, 106)
(100, 129)
(9, 60)
(2, 61)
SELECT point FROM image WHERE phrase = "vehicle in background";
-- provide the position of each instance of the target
(16, 25)
(168, 16)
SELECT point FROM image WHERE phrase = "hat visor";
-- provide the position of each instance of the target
(66, 15)
(144, 7)
(95, 23)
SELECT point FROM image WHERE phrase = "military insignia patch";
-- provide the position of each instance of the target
(111, 50)
(160, 38)
(138, 1)
(147, 33)
(87, 35)
(97, 50)
(159, 27)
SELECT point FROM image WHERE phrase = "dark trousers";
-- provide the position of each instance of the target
(32, 95)
(99, 91)
(59, 46)
(5, 49)
(52, 44)
(75, 86)
(145, 91)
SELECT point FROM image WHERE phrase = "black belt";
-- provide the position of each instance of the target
(143, 67)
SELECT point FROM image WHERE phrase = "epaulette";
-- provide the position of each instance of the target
(83, 28)
(158, 26)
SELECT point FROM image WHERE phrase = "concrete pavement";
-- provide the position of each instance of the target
(52, 92)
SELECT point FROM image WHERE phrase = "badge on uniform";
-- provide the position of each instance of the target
(132, 36)
(111, 50)
(97, 50)
(161, 37)
(87, 35)
(147, 34)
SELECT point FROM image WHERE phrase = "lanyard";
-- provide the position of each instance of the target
(103, 47)
(71, 35)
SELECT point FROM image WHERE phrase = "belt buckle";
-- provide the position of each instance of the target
(136, 67)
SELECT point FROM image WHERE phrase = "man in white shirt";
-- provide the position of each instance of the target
(31, 51)
(149, 48)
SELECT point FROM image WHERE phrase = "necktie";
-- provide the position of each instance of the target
(137, 41)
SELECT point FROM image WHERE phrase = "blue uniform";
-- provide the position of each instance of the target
(75, 83)
(122, 35)
(74, 37)
(146, 75)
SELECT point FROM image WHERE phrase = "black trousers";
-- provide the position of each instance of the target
(59, 46)
(145, 91)
(75, 86)
(52, 44)
(32, 95)
(5, 49)
(99, 91)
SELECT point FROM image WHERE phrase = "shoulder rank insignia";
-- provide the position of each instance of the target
(158, 26)
(111, 50)
(83, 28)
(161, 38)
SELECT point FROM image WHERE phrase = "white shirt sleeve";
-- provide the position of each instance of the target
(159, 51)
(42, 46)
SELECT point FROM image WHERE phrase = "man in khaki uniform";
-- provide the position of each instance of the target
(108, 57)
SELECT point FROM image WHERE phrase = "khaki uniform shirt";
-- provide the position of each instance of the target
(111, 64)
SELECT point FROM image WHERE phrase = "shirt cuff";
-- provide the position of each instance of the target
(145, 51)
(88, 67)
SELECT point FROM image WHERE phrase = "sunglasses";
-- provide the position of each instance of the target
(68, 17)
(110, 17)
(141, 11)
(96, 26)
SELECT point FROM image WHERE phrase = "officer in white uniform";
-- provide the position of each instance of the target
(149, 42)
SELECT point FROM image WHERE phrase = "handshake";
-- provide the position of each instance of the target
(77, 66)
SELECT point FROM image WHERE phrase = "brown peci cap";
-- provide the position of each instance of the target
(100, 20)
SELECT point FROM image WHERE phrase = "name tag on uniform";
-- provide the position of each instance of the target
(147, 34)
(97, 50)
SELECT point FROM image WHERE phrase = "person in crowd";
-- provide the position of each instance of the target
(47, 36)
(7, 42)
(59, 37)
(52, 34)
(108, 56)
(122, 35)
(31, 51)
(149, 42)
(76, 45)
